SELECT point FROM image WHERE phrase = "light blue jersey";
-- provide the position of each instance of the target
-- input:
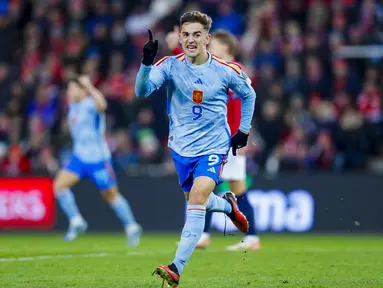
(197, 97)
(87, 127)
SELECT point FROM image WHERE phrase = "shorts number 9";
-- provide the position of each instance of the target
(197, 111)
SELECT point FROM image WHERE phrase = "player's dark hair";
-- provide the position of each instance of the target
(197, 17)
(225, 37)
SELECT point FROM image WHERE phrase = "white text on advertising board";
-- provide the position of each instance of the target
(22, 205)
(276, 211)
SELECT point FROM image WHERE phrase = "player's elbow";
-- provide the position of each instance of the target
(141, 93)
(250, 96)
(101, 107)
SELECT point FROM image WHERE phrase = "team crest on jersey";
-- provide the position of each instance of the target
(197, 96)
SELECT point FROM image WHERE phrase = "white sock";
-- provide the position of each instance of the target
(76, 220)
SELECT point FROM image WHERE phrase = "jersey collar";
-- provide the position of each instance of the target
(207, 63)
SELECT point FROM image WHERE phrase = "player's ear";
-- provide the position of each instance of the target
(208, 38)
(179, 35)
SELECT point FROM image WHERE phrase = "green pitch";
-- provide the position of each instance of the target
(97, 261)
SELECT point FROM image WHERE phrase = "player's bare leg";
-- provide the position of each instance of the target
(122, 209)
(63, 181)
(251, 240)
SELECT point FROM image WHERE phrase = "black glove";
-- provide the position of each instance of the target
(150, 50)
(238, 141)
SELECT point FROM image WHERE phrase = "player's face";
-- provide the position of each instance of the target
(194, 39)
(219, 49)
(75, 92)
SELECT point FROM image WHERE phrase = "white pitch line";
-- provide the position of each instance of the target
(48, 257)
(71, 256)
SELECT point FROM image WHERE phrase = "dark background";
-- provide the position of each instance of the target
(343, 203)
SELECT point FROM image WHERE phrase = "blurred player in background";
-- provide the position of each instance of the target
(199, 135)
(224, 45)
(91, 158)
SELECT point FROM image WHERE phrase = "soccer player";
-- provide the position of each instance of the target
(224, 45)
(91, 157)
(199, 135)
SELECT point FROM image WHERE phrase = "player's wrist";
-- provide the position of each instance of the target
(147, 67)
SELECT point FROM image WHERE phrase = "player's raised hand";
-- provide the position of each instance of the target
(150, 50)
(238, 141)
(172, 38)
(85, 81)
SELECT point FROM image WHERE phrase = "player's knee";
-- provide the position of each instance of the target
(197, 199)
(201, 190)
(58, 186)
(110, 195)
(186, 195)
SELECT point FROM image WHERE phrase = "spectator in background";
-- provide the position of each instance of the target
(307, 98)
(318, 84)
(15, 163)
(350, 138)
(294, 81)
(324, 115)
(270, 125)
(142, 132)
(124, 152)
(292, 150)
(46, 162)
(267, 56)
(321, 155)
(45, 104)
(345, 79)
(228, 18)
(4, 128)
(370, 106)
(116, 87)
(5, 86)
(298, 116)
(8, 35)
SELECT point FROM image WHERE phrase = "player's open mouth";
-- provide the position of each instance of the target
(191, 48)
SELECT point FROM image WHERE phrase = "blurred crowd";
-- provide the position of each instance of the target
(314, 111)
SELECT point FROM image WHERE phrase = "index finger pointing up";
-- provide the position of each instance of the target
(150, 35)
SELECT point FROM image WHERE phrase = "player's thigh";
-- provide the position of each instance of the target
(69, 175)
(201, 189)
(64, 179)
(184, 167)
(238, 187)
(206, 176)
(187, 195)
(102, 174)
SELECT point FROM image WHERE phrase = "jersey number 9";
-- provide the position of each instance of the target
(197, 111)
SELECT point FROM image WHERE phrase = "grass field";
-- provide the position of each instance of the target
(104, 261)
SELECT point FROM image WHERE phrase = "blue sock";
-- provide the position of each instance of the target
(247, 210)
(217, 204)
(195, 221)
(67, 203)
(122, 208)
(208, 217)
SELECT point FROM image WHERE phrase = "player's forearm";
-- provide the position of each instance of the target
(144, 87)
(248, 106)
(98, 97)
